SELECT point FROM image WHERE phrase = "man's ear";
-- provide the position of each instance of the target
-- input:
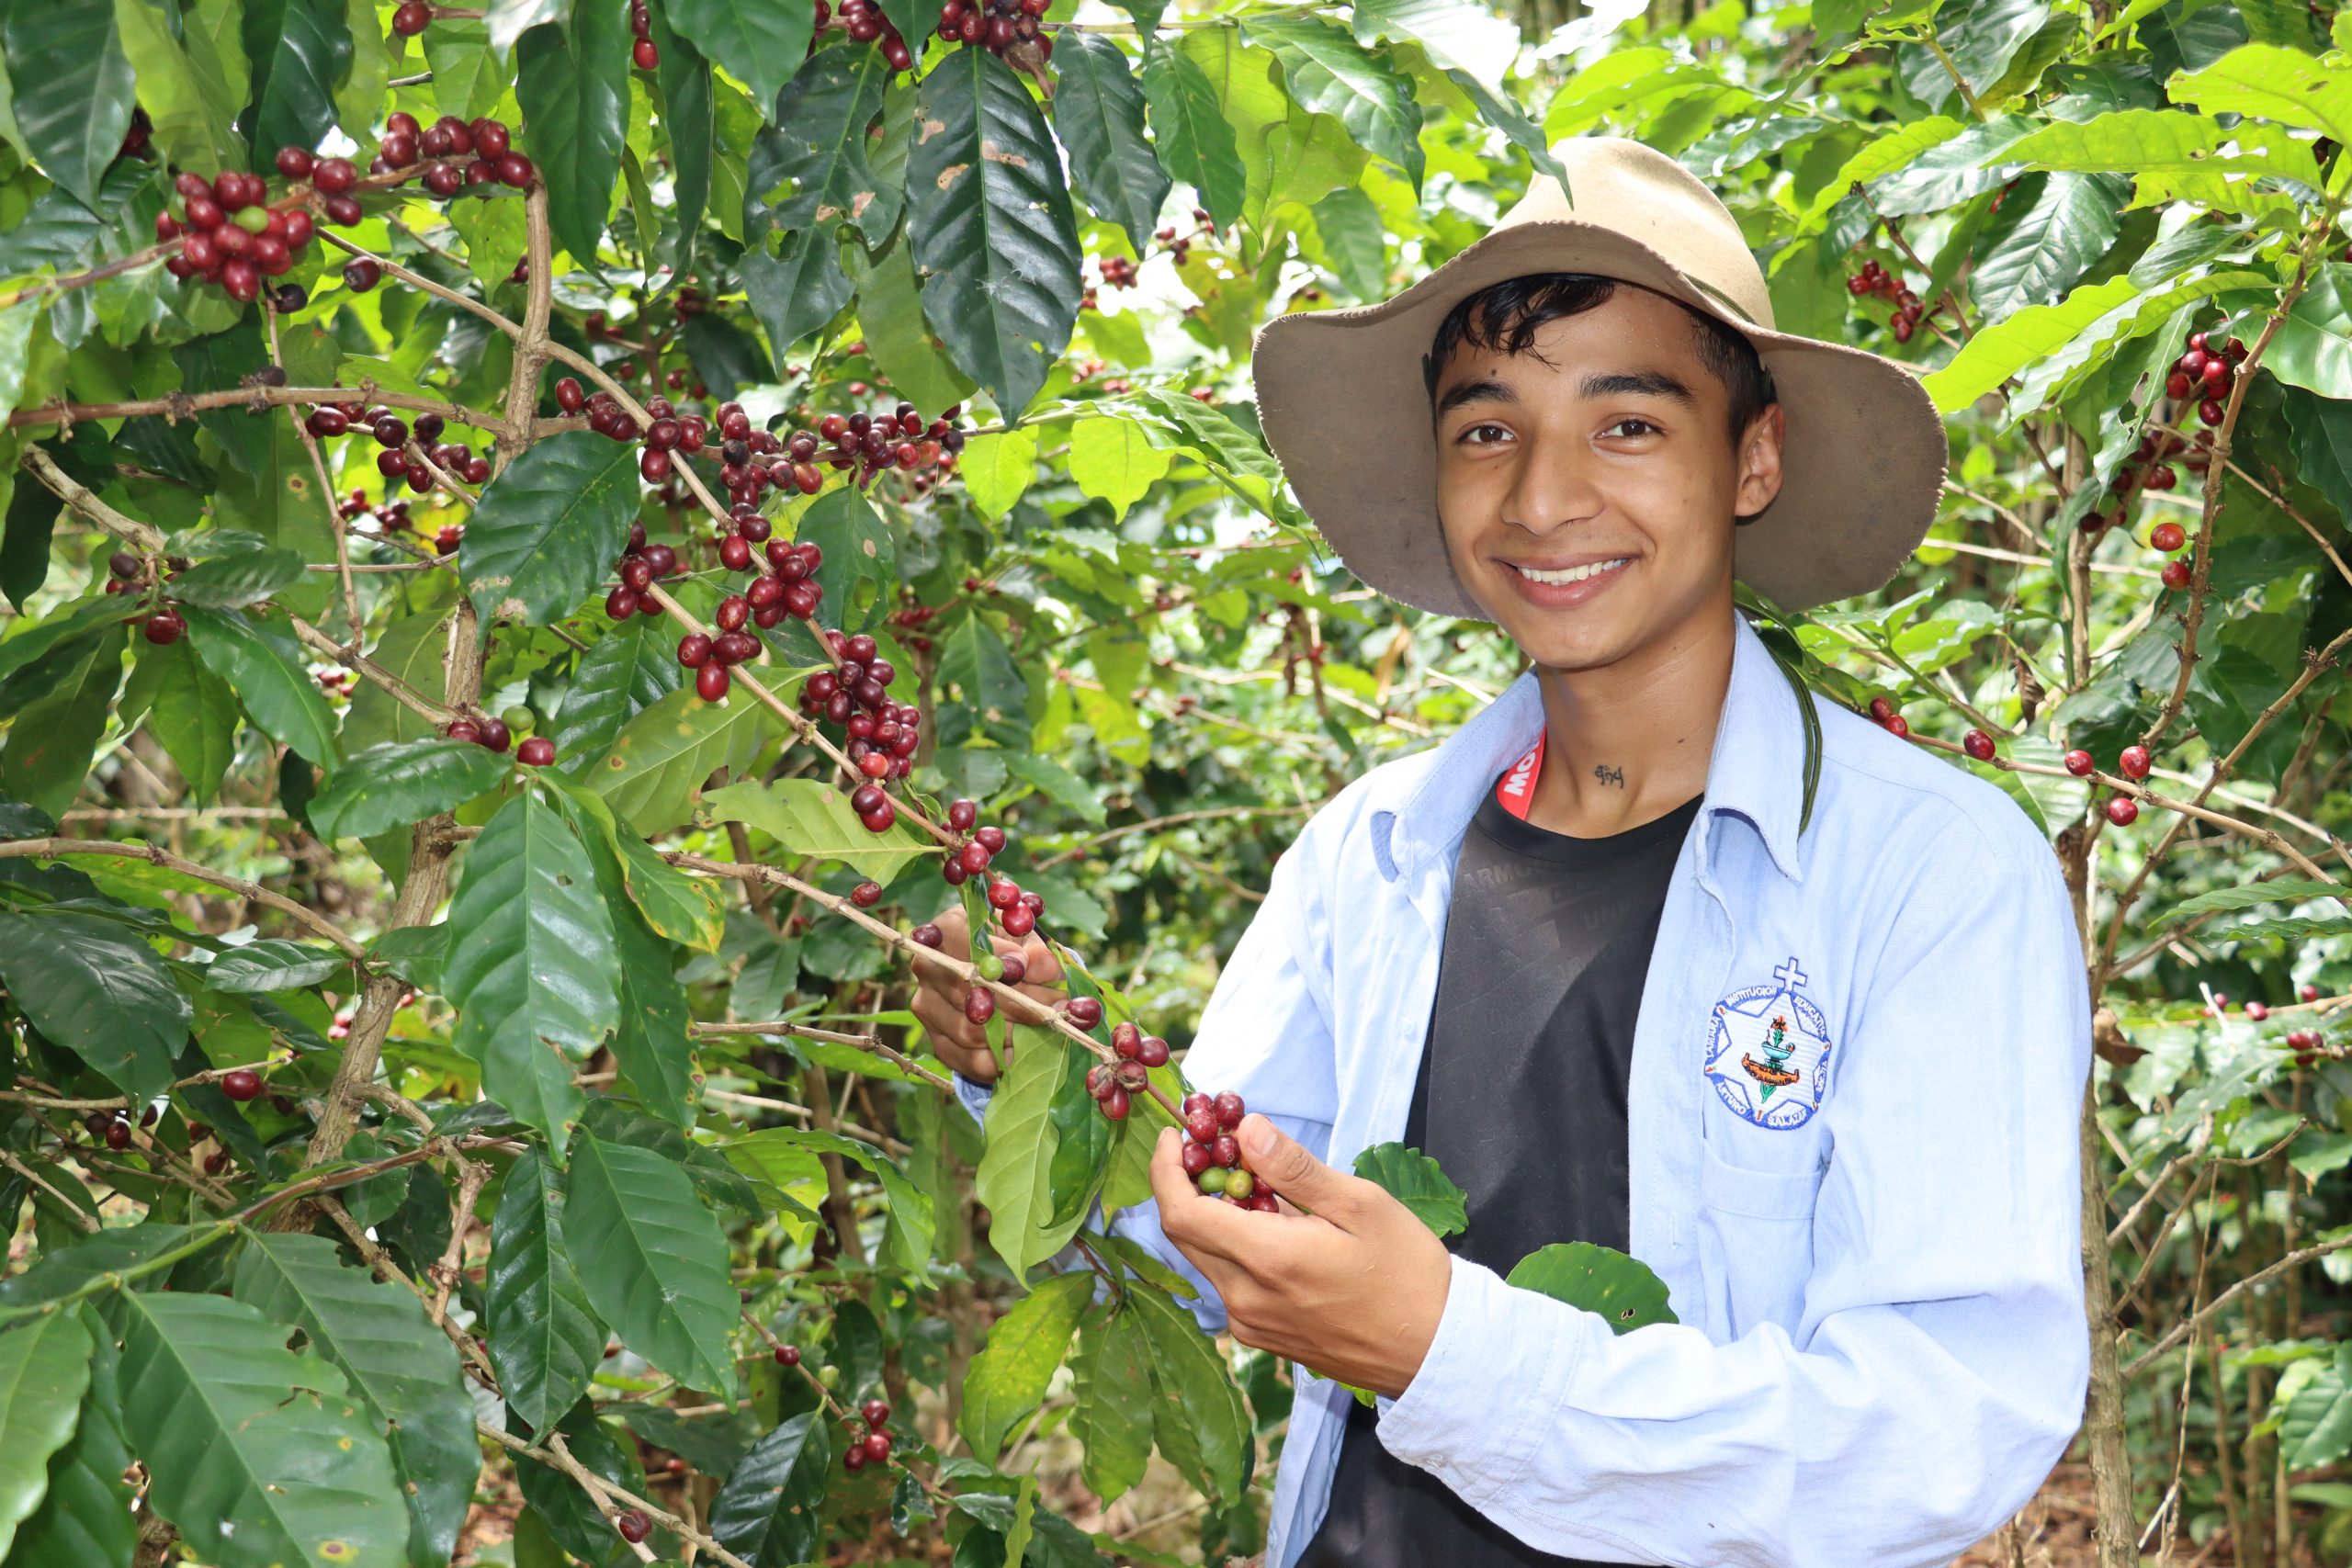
(1760, 462)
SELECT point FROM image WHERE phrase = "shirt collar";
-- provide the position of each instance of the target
(1755, 772)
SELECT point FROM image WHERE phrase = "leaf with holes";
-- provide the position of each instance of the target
(798, 290)
(530, 963)
(652, 1260)
(550, 528)
(402, 783)
(818, 147)
(1600, 1279)
(96, 987)
(401, 1368)
(992, 226)
(263, 1454)
(544, 1337)
(767, 1512)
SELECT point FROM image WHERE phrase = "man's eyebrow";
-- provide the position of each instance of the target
(1637, 384)
(1486, 389)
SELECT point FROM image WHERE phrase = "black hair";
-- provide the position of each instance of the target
(1505, 316)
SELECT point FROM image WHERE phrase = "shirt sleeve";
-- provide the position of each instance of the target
(1938, 1366)
(1266, 1035)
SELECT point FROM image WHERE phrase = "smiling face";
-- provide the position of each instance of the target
(1588, 486)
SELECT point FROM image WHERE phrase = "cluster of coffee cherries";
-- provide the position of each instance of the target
(994, 25)
(863, 21)
(881, 734)
(163, 626)
(497, 734)
(1882, 713)
(488, 142)
(2204, 373)
(1212, 1155)
(911, 615)
(1875, 279)
(393, 434)
(2134, 763)
(642, 53)
(229, 234)
(1114, 1085)
(789, 590)
(640, 566)
(112, 1128)
(1119, 272)
(871, 443)
(871, 1446)
(2306, 1043)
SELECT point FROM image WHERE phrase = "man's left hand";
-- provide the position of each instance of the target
(1353, 1289)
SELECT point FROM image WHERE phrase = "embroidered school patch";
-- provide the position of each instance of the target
(1768, 1055)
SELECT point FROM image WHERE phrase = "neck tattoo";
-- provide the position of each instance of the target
(1609, 775)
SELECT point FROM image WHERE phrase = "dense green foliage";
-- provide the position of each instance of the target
(595, 1176)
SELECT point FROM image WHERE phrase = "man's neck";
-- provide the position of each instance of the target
(1629, 741)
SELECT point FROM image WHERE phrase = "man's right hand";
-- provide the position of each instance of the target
(939, 1002)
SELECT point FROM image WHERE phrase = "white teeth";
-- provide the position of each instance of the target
(1574, 573)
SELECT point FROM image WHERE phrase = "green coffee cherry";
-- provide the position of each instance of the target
(1215, 1179)
(1238, 1183)
(252, 220)
(519, 719)
(990, 968)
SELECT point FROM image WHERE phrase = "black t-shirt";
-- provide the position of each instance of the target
(1521, 1098)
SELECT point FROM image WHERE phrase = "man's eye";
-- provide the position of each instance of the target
(1631, 429)
(1484, 434)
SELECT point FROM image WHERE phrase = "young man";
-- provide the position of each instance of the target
(1790, 1009)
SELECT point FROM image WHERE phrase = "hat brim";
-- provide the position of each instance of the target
(1343, 404)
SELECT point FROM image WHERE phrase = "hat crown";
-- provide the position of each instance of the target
(1646, 195)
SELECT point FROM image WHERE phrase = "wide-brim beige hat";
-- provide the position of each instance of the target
(1343, 403)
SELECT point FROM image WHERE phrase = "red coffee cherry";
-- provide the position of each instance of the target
(1977, 744)
(536, 752)
(980, 1005)
(2168, 537)
(2123, 810)
(634, 1525)
(2080, 763)
(2176, 575)
(787, 1356)
(865, 894)
(2134, 762)
(242, 1085)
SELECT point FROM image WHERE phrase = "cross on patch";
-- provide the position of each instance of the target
(1789, 974)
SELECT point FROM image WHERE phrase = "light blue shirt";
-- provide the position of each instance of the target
(1853, 1149)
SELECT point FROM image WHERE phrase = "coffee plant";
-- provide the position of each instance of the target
(550, 544)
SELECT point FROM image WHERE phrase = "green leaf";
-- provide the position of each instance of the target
(686, 111)
(84, 1518)
(267, 676)
(496, 236)
(2316, 1427)
(572, 84)
(992, 226)
(2275, 82)
(1112, 460)
(1099, 113)
(2068, 227)
(300, 49)
(860, 551)
(531, 962)
(677, 908)
(577, 1522)
(1198, 1415)
(900, 342)
(402, 783)
(508, 20)
(359, 92)
(44, 1370)
(759, 40)
(912, 1219)
(1499, 111)
(50, 746)
(650, 1042)
(1329, 72)
(1014, 1178)
(1598, 1279)
(767, 1512)
(811, 819)
(1192, 135)
(187, 707)
(544, 1337)
(231, 582)
(625, 672)
(1112, 1416)
(403, 1370)
(2003, 349)
(820, 146)
(550, 528)
(191, 100)
(61, 1271)
(652, 1261)
(1897, 150)
(1008, 1379)
(263, 1454)
(2283, 890)
(795, 291)
(96, 987)
(995, 469)
(973, 660)
(30, 523)
(72, 88)
(1468, 38)
(2313, 348)
(1414, 1179)
(411, 649)
(712, 1444)
(662, 757)
(272, 965)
